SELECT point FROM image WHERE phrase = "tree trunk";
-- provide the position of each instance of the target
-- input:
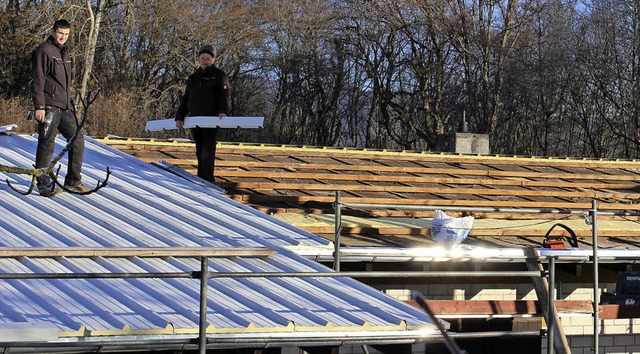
(92, 40)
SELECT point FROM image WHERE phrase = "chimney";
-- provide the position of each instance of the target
(465, 126)
(463, 142)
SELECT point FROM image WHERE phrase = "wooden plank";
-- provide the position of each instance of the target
(429, 214)
(425, 231)
(411, 179)
(432, 190)
(426, 157)
(411, 156)
(81, 252)
(173, 161)
(377, 213)
(619, 311)
(451, 308)
(510, 176)
(133, 149)
(384, 202)
(503, 307)
(392, 169)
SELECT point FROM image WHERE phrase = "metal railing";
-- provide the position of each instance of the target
(591, 218)
(203, 274)
(203, 253)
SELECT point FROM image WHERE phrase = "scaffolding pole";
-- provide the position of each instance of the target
(596, 291)
(204, 284)
(336, 239)
(551, 305)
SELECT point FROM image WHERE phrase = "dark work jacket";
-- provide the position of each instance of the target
(51, 70)
(207, 94)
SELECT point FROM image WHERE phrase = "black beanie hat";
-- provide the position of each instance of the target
(206, 49)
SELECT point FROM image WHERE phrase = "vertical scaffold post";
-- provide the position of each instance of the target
(204, 284)
(338, 213)
(551, 305)
(596, 286)
(542, 286)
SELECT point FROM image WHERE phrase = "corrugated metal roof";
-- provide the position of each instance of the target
(145, 206)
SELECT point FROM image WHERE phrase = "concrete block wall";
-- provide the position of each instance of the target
(418, 348)
(400, 294)
(579, 324)
(608, 344)
(464, 143)
(359, 350)
(348, 350)
(582, 324)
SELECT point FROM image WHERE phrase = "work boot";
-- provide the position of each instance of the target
(77, 188)
(49, 193)
(46, 188)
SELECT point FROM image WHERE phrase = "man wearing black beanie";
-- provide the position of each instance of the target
(207, 93)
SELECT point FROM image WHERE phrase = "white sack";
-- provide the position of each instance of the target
(448, 231)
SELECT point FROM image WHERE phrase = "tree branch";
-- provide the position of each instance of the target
(48, 171)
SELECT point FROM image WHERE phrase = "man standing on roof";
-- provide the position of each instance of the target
(207, 94)
(53, 108)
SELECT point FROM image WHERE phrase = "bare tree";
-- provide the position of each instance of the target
(537, 80)
(94, 17)
(484, 34)
(306, 65)
(610, 64)
(407, 57)
(543, 77)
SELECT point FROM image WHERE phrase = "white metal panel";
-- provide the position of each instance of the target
(7, 128)
(206, 122)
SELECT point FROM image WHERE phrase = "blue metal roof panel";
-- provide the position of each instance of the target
(145, 206)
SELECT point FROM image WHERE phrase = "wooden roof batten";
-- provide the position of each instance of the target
(462, 205)
(279, 179)
(267, 149)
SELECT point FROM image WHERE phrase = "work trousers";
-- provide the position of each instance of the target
(64, 121)
(205, 139)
